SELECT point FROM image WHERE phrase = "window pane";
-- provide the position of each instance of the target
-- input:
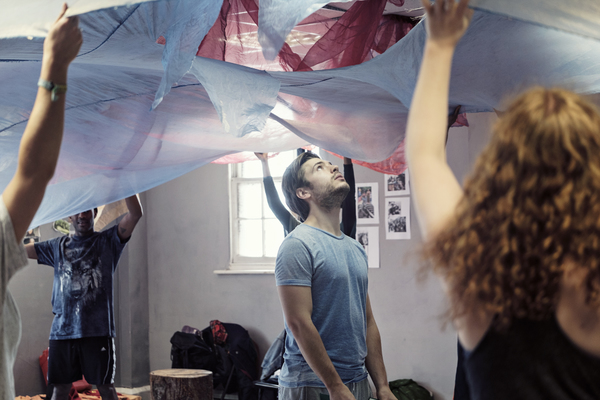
(279, 163)
(249, 199)
(251, 169)
(251, 237)
(273, 237)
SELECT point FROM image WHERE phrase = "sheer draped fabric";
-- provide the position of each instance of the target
(163, 87)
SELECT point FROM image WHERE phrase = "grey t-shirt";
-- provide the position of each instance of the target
(82, 296)
(335, 268)
(12, 259)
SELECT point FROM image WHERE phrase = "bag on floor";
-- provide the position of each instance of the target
(407, 389)
(190, 351)
(273, 360)
(236, 358)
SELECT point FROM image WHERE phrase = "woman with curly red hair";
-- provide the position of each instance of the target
(518, 250)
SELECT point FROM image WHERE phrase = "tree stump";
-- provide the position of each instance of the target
(181, 384)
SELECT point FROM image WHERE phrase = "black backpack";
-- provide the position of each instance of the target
(407, 389)
(237, 361)
(190, 351)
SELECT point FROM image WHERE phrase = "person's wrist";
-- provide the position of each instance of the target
(383, 388)
(442, 45)
(335, 386)
(54, 71)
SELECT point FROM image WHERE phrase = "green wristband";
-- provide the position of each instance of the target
(54, 89)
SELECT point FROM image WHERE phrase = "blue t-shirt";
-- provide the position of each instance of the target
(335, 268)
(82, 296)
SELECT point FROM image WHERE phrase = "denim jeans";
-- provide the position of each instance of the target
(361, 391)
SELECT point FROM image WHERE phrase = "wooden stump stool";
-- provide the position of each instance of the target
(181, 384)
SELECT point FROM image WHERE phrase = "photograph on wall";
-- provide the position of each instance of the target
(367, 203)
(398, 218)
(368, 237)
(32, 236)
(397, 185)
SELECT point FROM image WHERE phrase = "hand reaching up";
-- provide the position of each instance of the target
(447, 20)
(262, 156)
(63, 41)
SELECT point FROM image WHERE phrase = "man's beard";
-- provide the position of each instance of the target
(330, 199)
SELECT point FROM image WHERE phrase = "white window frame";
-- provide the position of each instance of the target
(239, 264)
(248, 265)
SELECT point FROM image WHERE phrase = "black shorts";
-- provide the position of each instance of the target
(92, 357)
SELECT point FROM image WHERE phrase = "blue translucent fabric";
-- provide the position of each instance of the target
(576, 16)
(117, 144)
(276, 18)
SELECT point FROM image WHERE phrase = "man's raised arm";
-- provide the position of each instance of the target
(130, 220)
(41, 140)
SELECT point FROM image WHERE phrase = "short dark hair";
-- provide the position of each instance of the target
(293, 179)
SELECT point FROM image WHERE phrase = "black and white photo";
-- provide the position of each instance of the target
(396, 185)
(367, 203)
(398, 218)
(368, 237)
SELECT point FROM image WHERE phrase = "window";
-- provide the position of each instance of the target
(255, 232)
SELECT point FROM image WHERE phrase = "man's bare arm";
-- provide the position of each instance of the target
(374, 360)
(297, 308)
(31, 253)
(40, 145)
(130, 220)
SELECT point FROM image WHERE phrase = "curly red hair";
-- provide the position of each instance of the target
(531, 205)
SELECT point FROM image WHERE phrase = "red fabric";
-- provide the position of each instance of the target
(44, 365)
(212, 45)
(361, 33)
(73, 394)
(352, 39)
(81, 385)
(218, 331)
(349, 40)
(249, 156)
(461, 120)
(239, 157)
(393, 165)
(396, 163)
(358, 35)
(94, 394)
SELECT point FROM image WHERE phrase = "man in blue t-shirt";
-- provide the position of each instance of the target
(83, 330)
(321, 275)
